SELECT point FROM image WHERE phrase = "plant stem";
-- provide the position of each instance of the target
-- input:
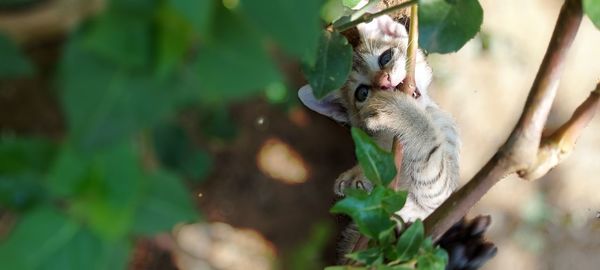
(409, 84)
(367, 17)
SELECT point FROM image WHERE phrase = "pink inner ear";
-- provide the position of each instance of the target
(329, 106)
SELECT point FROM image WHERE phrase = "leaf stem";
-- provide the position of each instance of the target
(367, 17)
(409, 85)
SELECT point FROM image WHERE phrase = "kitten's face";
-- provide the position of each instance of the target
(378, 69)
(379, 65)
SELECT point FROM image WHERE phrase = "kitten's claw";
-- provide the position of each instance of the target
(352, 178)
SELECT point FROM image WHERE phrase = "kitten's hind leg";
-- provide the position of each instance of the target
(352, 178)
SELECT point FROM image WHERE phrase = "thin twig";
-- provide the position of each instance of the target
(558, 146)
(367, 17)
(520, 150)
(409, 84)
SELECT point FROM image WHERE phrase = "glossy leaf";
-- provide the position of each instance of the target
(430, 262)
(235, 64)
(367, 211)
(292, 24)
(166, 202)
(351, 3)
(410, 241)
(332, 10)
(368, 256)
(14, 63)
(332, 67)
(592, 10)
(377, 164)
(445, 26)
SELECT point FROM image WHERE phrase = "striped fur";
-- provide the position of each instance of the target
(428, 135)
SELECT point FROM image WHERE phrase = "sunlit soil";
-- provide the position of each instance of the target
(220, 246)
(281, 162)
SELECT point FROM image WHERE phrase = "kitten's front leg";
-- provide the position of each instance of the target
(352, 178)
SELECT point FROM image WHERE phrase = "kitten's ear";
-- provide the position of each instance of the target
(329, 106)
(382, 25)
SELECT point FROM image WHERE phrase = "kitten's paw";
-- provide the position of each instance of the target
(411, 212)
(352, 178)
(379, 120)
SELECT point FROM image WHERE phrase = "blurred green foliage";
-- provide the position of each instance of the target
(592, 10)
(122, 78)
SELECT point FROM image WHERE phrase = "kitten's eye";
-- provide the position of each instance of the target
(385, 57)
(361, 93)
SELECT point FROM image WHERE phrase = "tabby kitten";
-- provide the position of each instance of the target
(370, 99)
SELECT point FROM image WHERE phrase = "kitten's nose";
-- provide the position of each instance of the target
(383, 81)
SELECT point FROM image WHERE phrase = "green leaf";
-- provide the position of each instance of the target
(176, 152)
(134, 8)
(68, 173)
(118, 102)
(308, 254)
(377, 164)
(166, 202)
(21, 191)
(86, 251)
(197, 12)
(368, 211)
(445, 26)
(393, 201)
(368, 256)
(293, 24)
(14, 63)
(345, 267)
(37, 237)
(430, 261)
(104, 188)
(23, 163)
(334, 61)
(19, 155)
(410, 241)
(122, 39)
(332, 10)
(592, 10)
(173, 40)
(235, 65)
(44, 239)
(350, 3)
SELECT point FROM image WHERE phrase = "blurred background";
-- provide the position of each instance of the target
(166, 134)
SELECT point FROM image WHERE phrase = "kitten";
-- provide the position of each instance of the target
(370, 99)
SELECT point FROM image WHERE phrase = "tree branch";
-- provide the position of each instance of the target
(520, 151)
(558, 146)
